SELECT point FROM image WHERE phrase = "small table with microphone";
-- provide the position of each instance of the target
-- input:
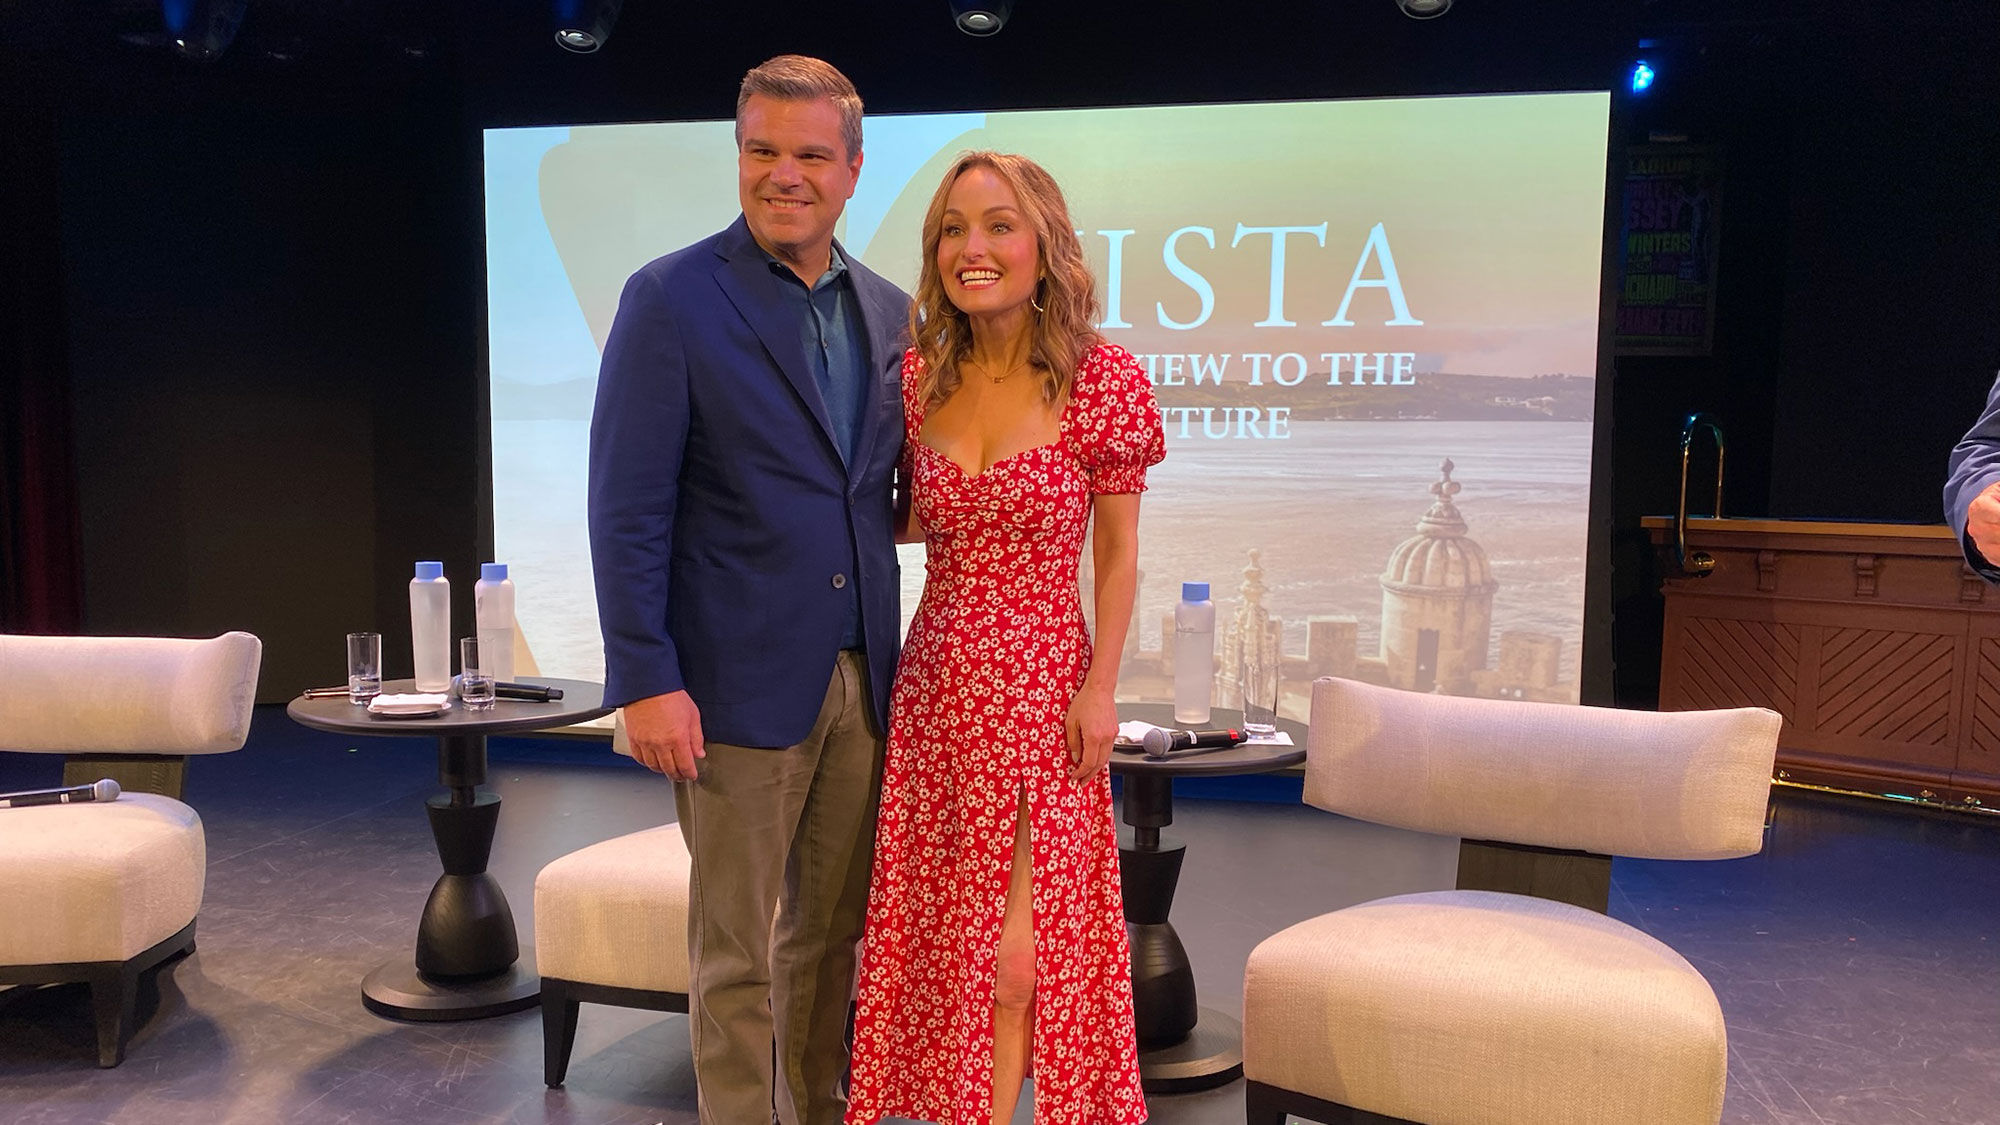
(469, 962)
(1183, 1047)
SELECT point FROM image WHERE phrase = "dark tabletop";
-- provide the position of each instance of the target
(1210, 763)
(582, 700)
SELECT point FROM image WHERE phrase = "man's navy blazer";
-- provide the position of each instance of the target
(724, 528)
(1974, 464)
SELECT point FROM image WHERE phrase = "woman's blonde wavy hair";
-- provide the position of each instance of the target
(1065, 326)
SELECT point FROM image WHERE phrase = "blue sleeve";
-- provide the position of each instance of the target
(1975, 464)
(638, 435)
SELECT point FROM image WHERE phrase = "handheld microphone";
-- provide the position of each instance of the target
(1163, 743)
(105, 790)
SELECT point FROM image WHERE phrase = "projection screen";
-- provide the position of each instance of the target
(1372, 327)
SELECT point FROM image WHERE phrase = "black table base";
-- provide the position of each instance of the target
(398, 991)
(1182, 1047)
(1209, 1055)
(469, 963)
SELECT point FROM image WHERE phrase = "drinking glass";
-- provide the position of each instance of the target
(364, 667)
(475, 679)
(1260, 696)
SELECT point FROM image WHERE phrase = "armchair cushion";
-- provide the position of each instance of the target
(97, 882)
(1472, 1006)
(615, 913)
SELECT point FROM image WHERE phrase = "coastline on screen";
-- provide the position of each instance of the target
(1372, 327)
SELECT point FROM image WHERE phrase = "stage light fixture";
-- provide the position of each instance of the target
(1424, 9)
(195, 29)
(981, 17)
(582, 26)
(1642, 77)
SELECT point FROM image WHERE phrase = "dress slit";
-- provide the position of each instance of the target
(1024, 822)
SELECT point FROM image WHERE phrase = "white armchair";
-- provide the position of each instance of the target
(1485, 1007)
(105, 891)
(611, 928)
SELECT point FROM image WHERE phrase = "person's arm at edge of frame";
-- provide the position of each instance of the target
(638, 437)
(1092, 721)
(1972, 490)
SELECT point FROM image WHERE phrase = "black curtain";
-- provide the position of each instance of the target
(41, 576)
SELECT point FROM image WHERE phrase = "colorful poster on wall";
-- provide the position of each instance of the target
(1667, 250)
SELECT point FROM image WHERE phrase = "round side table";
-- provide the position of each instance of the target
(469, 962)
(1183, 1047)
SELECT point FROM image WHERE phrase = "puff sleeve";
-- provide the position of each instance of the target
(1119, 434)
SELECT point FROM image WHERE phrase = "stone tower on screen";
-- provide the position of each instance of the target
(1437, 601)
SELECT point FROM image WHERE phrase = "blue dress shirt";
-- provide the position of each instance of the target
(829, 319)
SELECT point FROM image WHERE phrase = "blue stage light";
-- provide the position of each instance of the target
(198, 29)
(1642, 78)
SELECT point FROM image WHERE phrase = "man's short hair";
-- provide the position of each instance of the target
(801, 78)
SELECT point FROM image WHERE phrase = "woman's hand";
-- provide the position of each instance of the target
(1091, 725)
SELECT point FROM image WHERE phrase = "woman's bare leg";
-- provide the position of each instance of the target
(1014, 980)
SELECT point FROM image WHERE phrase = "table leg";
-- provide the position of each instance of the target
(1182, 1046)
(468, 962)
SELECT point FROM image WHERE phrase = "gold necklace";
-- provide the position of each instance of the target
(1009, 373)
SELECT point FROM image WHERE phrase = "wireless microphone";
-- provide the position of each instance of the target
(105, 790)
(533, 693)
(1162, 743)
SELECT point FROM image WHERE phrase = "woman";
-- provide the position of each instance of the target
(996, 937)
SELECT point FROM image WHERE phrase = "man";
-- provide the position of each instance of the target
(1972, 490)
(749, 420)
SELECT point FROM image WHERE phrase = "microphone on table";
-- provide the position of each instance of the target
(1163, 743)
(105, 790)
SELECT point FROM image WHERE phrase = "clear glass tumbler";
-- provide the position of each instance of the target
(1260, 696)
(475, 679)
(364, 667)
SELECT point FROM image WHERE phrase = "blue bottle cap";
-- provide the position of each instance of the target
(1194, 591)
(430, 570)
(493, 572)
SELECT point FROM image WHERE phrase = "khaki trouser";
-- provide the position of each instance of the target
(790, 831)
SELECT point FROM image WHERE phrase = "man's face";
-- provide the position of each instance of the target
(794, 176)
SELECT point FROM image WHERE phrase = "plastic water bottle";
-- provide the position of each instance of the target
(493, 612)
(430, 627)
(1194, 653)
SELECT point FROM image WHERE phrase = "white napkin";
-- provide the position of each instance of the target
(408, 701)
(1133, 732)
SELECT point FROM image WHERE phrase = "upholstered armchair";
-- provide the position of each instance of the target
(1512, 999)
(611, 928)
(105, 891)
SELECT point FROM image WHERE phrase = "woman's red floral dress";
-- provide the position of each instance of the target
(996, 653)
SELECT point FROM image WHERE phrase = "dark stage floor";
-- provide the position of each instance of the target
(1857, 959)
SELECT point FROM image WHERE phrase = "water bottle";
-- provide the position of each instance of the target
(1194, 653)
(493, 613)
(430, 627)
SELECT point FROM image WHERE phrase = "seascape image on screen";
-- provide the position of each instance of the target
(1371, 327)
